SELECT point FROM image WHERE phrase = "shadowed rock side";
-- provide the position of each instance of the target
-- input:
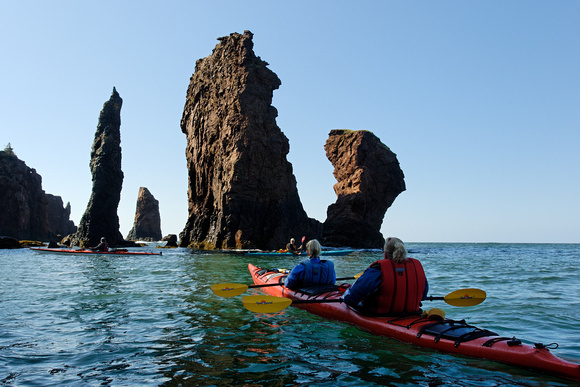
(26, 211)
(147, 225)
(369, 179)
(100, 218)
(242, 191)
(59, 217)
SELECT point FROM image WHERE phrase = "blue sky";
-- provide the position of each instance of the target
(479, 100)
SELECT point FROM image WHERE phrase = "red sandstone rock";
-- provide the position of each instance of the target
(369, 179)
(147, 225)
(242, 192)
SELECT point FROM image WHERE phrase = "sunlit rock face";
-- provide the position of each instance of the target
(147, 224)
(369, 179)
(242, 190)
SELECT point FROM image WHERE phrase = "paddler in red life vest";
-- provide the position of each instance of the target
(394, 285)
(103, 246)
(312, 271)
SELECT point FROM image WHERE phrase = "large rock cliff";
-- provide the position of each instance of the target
(369, 179)
(59, 217)
(100, 218)
(147, 225)
(26, 211)
(242, 191)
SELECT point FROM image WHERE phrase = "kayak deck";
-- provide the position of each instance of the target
(449, 336)
(91, 252)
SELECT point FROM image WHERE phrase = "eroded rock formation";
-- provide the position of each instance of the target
(147, 225)
(369, 179)
(59, 217)
(100, 218)
(26, 211)
(171, 240)
(242, 191)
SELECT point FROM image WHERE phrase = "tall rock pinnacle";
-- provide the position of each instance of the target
(100, 218)
(242, 191)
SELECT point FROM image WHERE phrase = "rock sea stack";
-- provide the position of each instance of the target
(26, 211)
(147, 225)
(369, 179)
(242, 192)
(100, 218)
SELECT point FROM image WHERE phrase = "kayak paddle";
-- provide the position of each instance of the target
(273, 304)
(232, 290)
(462, 297)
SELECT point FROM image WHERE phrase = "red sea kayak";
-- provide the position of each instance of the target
(450, 336)
(91, 252)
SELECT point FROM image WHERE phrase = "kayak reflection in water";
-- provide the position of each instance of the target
(103, 246)
(394, 285)
(312, 271)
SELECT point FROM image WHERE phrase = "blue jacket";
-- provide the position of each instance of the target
(311, 272)
(367, 284)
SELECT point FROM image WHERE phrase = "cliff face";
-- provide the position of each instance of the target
(100, 218)
(59, 217)
(26, 211)
(147, 225)
(369, 179)
(242, 192)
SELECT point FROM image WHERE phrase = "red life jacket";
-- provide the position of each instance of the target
(402, 286)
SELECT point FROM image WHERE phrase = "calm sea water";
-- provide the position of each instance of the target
(148, 321)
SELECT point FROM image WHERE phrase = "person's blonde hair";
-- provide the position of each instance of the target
(313, 248)
(395, 249)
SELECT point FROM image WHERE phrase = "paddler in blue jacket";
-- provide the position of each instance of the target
(394, 285)
(313, 271)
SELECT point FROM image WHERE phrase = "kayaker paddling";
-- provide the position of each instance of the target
(291, 247)
(103, 246)
(312, 271)
(394, 285)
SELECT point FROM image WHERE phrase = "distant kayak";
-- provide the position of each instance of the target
(286, 254)
(91, 252)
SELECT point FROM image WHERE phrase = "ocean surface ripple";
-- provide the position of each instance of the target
(153, 321)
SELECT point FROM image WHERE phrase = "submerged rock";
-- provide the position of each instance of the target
(147, 225)
(369, 179)
(242, 191)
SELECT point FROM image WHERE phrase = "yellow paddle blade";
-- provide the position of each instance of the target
(465, 297)
(228, 290)
(265, 304)
(357, 275)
